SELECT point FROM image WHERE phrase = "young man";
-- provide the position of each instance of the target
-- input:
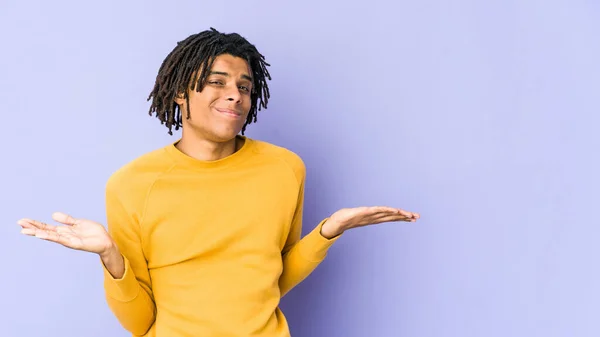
(204, 234)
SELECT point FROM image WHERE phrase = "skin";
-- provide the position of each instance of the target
(218, 114)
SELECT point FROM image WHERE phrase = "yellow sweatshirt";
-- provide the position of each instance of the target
(210, 247)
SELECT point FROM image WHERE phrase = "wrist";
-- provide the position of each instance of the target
(110, 252)
(113, 261)
(331, 229)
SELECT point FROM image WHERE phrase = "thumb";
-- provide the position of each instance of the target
(64, 218)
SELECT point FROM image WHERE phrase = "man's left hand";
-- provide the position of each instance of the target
(348, 218)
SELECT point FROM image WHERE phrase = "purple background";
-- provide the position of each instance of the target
(482, 116)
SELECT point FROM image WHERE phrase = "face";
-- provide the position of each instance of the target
(219, 112)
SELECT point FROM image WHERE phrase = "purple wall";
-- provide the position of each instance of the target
(481, 116)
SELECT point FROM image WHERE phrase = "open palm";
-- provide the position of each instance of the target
(79, 234)
(364, 216)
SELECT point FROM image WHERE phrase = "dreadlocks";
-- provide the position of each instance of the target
(194, 56)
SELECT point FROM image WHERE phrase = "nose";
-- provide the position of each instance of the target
(233, 94)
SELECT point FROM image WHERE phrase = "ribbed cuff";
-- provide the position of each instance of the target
(315, 246)
(124, 289)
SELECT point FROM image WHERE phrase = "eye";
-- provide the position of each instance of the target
(245, 88)
(215, 82)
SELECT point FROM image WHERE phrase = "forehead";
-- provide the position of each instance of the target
(235, 66)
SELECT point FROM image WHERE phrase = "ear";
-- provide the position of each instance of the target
(179, 99)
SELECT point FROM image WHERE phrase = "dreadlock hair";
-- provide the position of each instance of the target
(194, 56)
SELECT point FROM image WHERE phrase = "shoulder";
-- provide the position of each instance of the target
(291, 159)
(138, 175)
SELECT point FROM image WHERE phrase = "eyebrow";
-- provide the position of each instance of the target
(246, 77)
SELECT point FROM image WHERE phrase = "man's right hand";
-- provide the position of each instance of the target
(79, 234)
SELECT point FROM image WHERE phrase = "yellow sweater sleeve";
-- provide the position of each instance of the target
(130, 297)
(302, 256)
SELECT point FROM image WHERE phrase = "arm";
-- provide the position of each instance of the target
(127, 283)
(302, 256)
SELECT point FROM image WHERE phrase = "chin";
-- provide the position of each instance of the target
(225, 135)
(216, 133)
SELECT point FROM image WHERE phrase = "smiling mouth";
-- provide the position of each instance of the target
(229, 112)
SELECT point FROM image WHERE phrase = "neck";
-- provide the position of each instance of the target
(206, 150)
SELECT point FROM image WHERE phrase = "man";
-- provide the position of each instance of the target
(204, 234)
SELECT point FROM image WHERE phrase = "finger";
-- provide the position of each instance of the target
(64, 218)
(384, 209)
(64, 230)
(391, 210)
(53, 237)
(394, 212)
(406, 213)
(25, 223)
(28, 231)
(29, 223)
(395, 218)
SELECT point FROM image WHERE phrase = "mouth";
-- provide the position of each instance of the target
(229, 112)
